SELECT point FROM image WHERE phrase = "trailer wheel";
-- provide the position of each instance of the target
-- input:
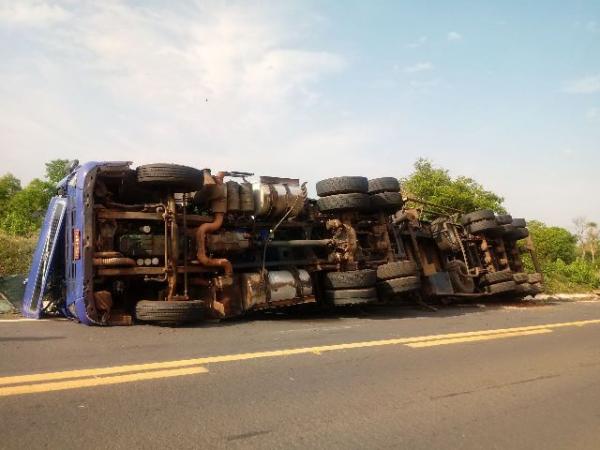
(344, 202)
(459, 277)
(352, 279)
(533, 278)
(483, 214)
(504, 219)
(484, 226)
(178, 178)
(505, 286)
(342, 185)
(519, 223)
(523, 288)
(341, 297)
(387, 201)
(389, 288)
(396, 269)
(520, 277)
(169, 312)
(517, 234)
(384, 184)
(496, 277)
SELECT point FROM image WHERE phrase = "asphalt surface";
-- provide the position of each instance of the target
(464, 377)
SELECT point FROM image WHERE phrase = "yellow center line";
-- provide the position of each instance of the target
(487, 337)
(91, 382)
(142, 371)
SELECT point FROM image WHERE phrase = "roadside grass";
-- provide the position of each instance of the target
(16, 253)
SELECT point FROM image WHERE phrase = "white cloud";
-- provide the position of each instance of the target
(217, 85)
(31, 13)
(419, 67)
(454, 36)
(418, 43)
(585, 85)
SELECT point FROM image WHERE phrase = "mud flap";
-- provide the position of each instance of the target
(44, 258)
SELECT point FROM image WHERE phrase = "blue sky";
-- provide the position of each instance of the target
(505, 92)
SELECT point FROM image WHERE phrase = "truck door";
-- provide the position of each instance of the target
(44, 257)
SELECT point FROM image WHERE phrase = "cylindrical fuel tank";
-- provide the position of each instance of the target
(233, 196)
(273, 201)
(246, 198)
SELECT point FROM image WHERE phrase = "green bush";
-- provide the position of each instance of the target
(16, 253)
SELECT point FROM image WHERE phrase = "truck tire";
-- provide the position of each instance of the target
(459, 277)
(387, 201)
(505, 286)
(384, 184)
(519, 223)
(523, 288)
(520, 277)
(352, 279)
(482, 214)
(517, 234)
(389, 288)
(342, 297)
(537, 288)
(342, 185)
(484, 226)
(496, 277)
(396, 269)
(178, 178)
(344, 202)
(534, 278)
(504, 219)
(169, 312)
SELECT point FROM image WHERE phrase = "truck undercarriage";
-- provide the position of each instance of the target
(169, 243)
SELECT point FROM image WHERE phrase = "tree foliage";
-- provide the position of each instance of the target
(553, 243)
(435, 185)
(22, 209)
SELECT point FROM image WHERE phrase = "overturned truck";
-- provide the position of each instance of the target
(166, 243)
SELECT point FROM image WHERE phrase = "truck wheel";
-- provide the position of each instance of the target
(520, 277)
(482, 214)
(484, 226)
(343, 297)
(169, 312)
(523, 288)
(537, 288)
(352, 279)
(342, 202)
(396, 269)
(459, 277)
(342, 185)
(533, 278)
(519, 223)
(389, 288)
(505, 286)
(517, 234)
(496, 277)
(504, 219)
(387, 201)
(384, 184)
(178, 178)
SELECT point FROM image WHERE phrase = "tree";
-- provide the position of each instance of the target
(435, 185)
(553, 243)
(57, 169)
(591, 238)
(25, 210)
(580, 226)
(9, 186)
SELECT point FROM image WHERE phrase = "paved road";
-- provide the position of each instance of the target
(465, 377)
